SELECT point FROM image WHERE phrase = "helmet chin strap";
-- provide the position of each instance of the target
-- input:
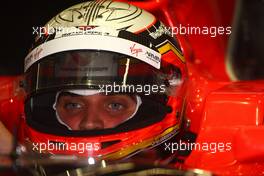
(86, 92)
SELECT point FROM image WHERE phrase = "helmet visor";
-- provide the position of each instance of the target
(107, 71)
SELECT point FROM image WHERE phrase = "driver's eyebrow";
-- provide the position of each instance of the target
(69, 94)
(110, 95)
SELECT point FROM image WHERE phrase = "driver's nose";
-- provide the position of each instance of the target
(91, 120)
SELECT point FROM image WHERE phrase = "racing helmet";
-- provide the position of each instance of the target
(104, 48)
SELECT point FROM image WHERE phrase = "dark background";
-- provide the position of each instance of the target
(248, 50)
(17, 20)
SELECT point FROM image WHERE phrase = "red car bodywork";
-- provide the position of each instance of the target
(218, 109)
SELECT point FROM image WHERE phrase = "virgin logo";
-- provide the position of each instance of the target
(135, 50)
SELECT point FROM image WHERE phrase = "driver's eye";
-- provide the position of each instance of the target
(72, 106)
(115, 106)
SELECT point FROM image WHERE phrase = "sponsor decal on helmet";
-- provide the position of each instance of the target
(134, 50)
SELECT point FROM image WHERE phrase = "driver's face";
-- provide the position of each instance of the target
(94, 111)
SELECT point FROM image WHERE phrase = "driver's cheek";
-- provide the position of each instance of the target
(112, 120)
(72, 120)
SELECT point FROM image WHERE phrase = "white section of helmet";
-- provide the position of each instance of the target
(95, 25)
